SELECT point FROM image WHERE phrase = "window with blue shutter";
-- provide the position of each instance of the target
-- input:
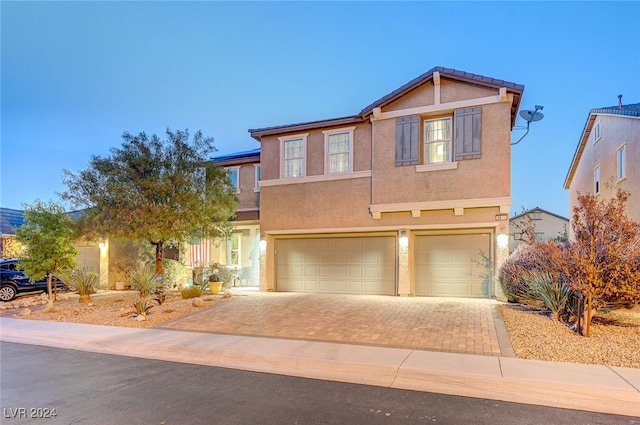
(407, 140)
(467, 133)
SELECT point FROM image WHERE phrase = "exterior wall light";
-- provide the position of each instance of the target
(263, 245)
(404, 239)
(503, 240)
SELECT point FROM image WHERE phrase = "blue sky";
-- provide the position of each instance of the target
(76, 75)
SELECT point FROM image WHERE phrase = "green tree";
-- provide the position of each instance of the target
(604, 257)
(155, 190)
(47, 238)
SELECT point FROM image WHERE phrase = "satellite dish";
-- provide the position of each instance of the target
(531, 116)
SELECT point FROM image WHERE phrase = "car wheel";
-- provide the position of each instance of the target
(7, 293)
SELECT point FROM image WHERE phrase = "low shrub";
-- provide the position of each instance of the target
(554, 296)
(174, 272)
(548, 256)
(83, 281)
(192, 291)
(142, 308)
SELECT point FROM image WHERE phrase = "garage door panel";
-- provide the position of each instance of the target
(339, 265)
(451, 265)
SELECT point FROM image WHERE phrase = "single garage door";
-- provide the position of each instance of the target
(453, 265)
(349, 265)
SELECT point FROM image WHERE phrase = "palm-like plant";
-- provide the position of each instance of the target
(83, 281)
(144, 280)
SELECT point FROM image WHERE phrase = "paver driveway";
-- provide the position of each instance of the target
(461, 325)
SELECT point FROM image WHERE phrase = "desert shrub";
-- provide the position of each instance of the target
(192, 291)
(174, 272)
(83, 281)
(219, 273)
(142, 308)
(144, 280)
(201, 276)
(553, 295)
(549, 256)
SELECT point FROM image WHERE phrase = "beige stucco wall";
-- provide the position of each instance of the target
(486, 177)
(248, 198)
(615, 131)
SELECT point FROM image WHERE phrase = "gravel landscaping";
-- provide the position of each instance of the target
(614, 340)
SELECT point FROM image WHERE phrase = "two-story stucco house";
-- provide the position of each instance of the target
(407, 197)
(607, 156)
(547, 226)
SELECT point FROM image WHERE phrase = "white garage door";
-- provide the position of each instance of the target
(349, 265)
(453, 265)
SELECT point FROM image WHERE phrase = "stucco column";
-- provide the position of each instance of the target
(267, 257)
(104, 264)
(405, 245)
(502, 252)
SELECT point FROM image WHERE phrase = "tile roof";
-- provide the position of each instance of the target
(632, 110)
(516, 89)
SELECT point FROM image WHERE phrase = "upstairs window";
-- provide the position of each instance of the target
(596, 180)
(234, 175)
(597, 132)
(444, 139)
(338, 150)
(293, 156)
(437, 141)
(621, 160)
(258, 176)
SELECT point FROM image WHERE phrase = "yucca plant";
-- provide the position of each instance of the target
(83, 281)
(144, 280)
(553, 295)
(142, 308)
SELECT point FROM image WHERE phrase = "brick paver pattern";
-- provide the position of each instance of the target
(462, 325)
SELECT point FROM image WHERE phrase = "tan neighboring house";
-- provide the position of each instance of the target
(410, 196)
(547, 226)
(607, 156)
(240, 252)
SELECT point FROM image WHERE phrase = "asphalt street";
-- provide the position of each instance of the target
(43, 385)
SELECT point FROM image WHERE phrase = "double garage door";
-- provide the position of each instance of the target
(443, 265)
(349, 265)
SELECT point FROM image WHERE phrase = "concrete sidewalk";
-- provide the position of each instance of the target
(566, 385)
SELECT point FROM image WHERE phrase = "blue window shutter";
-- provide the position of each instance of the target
(407, 139)
(467, 134)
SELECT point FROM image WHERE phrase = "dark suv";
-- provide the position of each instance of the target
(13, 281)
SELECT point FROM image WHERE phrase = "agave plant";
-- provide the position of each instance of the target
(83, 281)
(142, 308)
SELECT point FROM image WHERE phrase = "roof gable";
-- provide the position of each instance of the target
(449, 73)
(624, 111)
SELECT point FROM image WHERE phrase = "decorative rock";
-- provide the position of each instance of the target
(197, 302)
(141, 318)
(24, 312)
(227, 294)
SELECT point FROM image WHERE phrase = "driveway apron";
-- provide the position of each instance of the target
(459, 325)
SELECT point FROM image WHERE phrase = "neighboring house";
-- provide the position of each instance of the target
(241, 251)
(547, 226)
(607, 156)
(407, 197)
(92, 255)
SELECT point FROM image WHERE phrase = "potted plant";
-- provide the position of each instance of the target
(219, 277)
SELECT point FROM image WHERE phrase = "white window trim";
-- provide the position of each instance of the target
(328, 133)
(436, 167)
(256, 181)
(424, 141)
(304, 153)
(597, 132)
(597, 177)
(621, 165)
(230, 250)
(235, 168)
